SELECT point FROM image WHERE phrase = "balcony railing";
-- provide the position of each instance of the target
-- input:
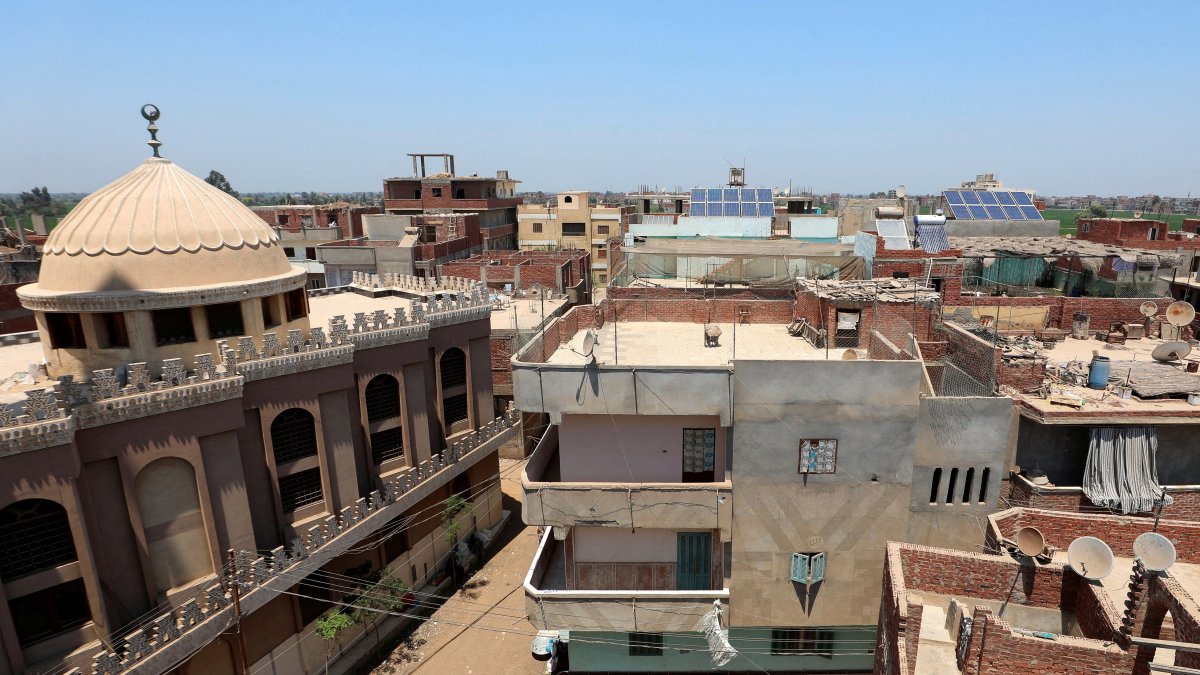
(679, 506)
(162, 643)
(552, 607)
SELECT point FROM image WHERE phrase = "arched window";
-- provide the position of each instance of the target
(383, 398)
(454, 368)
(36, 535)
(293, 435)
(169, 504)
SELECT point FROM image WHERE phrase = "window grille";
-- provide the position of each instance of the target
(454, 368)
(802, 641)
(455, 408)
(383, 398)
(645, 644)
(293, 435)
(36, 536)
(299, 489)
(387, 444)
(818, 455)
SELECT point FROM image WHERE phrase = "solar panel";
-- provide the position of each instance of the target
(977, 212)
(960, 212)
(748, 195)
(764, 194)
(953, 197)
(970, 197)
(933, 238)
(995, 212)
(714, 209)
(1022, 198)
(1031, 212)
(731, 194)
(714, 194)
(697, 209)
(731, 208)
(1006, 198)
(1013, 213)
(766, 209)
(986, 197)
(894, 233)
(697, 196)
(749, 209)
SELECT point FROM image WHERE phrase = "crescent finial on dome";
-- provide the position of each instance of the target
(151, 113)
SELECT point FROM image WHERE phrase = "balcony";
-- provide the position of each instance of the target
(552, 502)
(551, 606)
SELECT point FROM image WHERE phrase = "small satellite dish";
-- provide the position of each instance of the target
(849, 355)
(1030, 541)
(1170, 351)
(589, 341)
(1090, 557)
(1155, 551)
(1149, 308)
(901, 192)
(1180, 313)
(1137, 214)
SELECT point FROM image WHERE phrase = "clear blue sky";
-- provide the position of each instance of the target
(1064, 97)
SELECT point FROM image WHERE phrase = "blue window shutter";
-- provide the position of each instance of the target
(818, 568)
(799, 570)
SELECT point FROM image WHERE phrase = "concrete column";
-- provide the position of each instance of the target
(342, 458)
(516, 277)
(39, 224)
(420, 399)
(479, 380)
(227, 492)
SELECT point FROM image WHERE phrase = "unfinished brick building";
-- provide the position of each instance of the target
(561, 272)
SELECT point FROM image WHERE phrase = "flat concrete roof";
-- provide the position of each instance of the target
(16, 359)
(322, 308)
(525, 313)
(662, 343)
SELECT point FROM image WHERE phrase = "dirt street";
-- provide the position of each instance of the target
(491, 603)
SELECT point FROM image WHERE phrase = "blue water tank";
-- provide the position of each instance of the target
(1098, 376)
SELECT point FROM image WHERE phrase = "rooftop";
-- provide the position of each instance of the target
(883, 290)
(1047, 247)
(658, 343)
(1159, 389)
(505, 311)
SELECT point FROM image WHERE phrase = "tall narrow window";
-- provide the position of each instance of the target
(968, 486)
(299, 489)
(297, 304)
(270, 313)
(169, 503)
(984, 477)
(114, 332)
(454, 368)
(66, 331)
(937, 481)
(950, 486)
(699, 453)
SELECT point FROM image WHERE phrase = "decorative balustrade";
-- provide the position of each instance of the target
(413, 283)
(130, 391)
(251, 572)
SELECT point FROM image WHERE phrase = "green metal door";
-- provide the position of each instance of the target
(693, 567)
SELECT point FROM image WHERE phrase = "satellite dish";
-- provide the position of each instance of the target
(1030, 541)
(1149, 308)
(1180, 313)
(1155, 551)
(589, 341)
(901, 192)
(849, 355)
(1170, 351)
(1137, 214)
(1090, 557)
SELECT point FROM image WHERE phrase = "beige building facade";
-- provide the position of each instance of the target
(572, 222)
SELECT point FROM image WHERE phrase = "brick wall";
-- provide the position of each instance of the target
(501, 350)
(1163, 595)
(1186, 505)
(1103, 311)
(996, 650)
(721, 310)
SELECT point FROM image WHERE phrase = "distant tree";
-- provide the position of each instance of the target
(1097, 211)
(37, 200)
(217, 180)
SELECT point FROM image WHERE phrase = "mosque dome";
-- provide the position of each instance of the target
(159, 228)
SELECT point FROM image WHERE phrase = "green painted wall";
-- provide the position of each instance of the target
(853, 648)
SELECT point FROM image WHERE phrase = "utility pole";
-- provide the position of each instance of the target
(237, 612)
